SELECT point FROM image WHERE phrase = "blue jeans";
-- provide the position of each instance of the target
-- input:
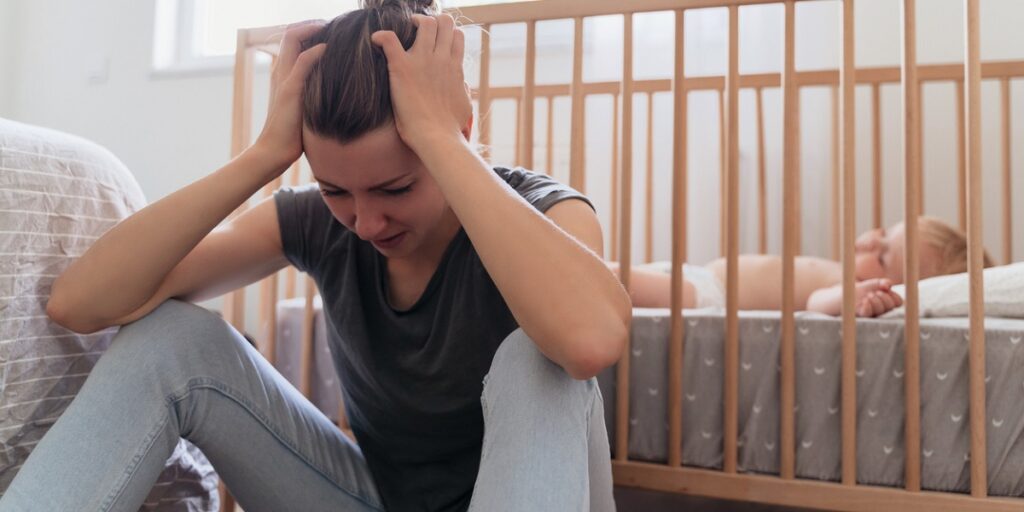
(182, 372)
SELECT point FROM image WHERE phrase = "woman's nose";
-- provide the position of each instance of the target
(369, 223)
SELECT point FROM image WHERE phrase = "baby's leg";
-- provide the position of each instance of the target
(653, 289)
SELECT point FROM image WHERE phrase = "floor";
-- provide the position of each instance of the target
(639, 500)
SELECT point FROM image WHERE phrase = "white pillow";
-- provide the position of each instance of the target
(949, 295)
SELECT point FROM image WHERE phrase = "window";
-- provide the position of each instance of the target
(199, 35)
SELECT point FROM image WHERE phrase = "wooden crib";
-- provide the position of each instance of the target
(729, 483)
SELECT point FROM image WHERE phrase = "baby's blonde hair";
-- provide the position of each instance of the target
(951, 244)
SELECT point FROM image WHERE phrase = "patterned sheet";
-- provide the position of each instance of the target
(58, 193)
(880, 388)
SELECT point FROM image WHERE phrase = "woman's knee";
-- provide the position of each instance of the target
(520, 370)
(177, 335)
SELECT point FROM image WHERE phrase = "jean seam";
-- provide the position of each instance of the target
(228, 392)
(151, 437)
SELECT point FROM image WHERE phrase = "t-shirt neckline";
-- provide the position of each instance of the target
(384, 291)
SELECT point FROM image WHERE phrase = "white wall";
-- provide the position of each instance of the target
(172, 130)
(86, 68)
(8, 16)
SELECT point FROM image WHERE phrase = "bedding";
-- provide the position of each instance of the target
(880, 393)
(948, 295)
(58, 193)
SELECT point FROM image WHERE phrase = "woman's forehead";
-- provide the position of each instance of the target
(367, 162)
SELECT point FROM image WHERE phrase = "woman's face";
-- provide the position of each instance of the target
(380, 190)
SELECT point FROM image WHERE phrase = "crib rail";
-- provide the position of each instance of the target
(784, 489)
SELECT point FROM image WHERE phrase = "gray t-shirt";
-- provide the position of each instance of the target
(412, 379)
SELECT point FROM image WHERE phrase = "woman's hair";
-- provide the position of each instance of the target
(951, 244)
(347, 93)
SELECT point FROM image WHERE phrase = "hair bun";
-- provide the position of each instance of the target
(428, 7)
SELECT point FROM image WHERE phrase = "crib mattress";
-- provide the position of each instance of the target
(945, 439)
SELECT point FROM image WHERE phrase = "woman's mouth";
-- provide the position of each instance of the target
(389, 243)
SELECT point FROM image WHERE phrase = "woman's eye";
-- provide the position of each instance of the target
(331, 193)
(398, 191)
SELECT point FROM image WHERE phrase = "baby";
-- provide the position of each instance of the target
(818, 283)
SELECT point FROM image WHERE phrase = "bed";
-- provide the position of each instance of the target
(58, 193)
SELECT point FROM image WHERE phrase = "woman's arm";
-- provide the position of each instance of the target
(551, 276)
(126, 266)
(549, 272)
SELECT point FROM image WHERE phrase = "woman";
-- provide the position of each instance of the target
(428, 261)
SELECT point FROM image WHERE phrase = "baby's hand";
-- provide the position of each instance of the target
(875, 297)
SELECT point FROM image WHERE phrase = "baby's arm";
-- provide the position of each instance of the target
(872, 297)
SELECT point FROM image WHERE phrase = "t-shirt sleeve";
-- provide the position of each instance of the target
(304, 220)
(540, 190)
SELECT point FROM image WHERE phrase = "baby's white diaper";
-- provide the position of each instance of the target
(709, 291)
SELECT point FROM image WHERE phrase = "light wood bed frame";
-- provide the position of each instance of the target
(728, 483)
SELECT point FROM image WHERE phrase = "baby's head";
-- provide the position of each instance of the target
(942, 250)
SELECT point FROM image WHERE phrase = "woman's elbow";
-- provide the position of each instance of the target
(599, 352)
(64, 315)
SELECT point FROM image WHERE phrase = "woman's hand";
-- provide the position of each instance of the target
(281, 138)
(428, 93)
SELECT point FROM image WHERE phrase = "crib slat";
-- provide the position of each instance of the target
(732, 326)
(876, 156)
(291, 274)
(975, 250)
(649, 189)
(484, 92)
(790, 156)
(241, 138)
(233, 309)
(798, 181)
(679, 186)
(268, 298)
(849, 202)
(518, 137)
(912, 155)
(1007, 181)
(576, 170)
(961, 160)
(615, 177)
(527, 102)
(549, 161)
(762, 178)
(625, 228)
(722, 192)
(836, 221)
(920, 148)
(306, 356)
